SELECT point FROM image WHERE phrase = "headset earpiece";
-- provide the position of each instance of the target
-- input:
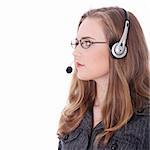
(119, 49)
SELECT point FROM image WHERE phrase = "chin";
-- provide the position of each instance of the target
(95, 78)
(84, 78)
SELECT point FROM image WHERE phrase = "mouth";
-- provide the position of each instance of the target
(78, 65)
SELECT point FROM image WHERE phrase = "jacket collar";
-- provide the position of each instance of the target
(144, 110)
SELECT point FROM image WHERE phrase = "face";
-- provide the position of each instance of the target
(91, 63)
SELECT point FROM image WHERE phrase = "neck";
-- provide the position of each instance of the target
(101, 86)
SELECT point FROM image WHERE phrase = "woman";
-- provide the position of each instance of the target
(108, 103)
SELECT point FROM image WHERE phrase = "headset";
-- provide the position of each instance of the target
(119, 49)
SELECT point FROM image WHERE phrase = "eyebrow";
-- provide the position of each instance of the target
(86, 37)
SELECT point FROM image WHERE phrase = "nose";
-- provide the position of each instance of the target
(77, 51)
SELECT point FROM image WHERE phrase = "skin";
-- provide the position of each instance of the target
(93, 63)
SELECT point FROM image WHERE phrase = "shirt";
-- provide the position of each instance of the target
(132, 136)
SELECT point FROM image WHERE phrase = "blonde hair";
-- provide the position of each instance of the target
(128, 86)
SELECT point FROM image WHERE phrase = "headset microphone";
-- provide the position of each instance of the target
(69, 69)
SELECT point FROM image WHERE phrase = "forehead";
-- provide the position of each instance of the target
(91, 27)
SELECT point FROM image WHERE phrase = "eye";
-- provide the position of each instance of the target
(86, 43)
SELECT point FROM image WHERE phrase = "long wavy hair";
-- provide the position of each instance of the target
(128, 86)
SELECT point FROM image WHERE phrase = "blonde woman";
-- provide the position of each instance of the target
(108, 103)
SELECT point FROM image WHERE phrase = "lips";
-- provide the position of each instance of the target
(79, 65)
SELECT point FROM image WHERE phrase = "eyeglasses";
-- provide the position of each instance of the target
(85, 43)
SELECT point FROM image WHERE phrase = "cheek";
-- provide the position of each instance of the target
(98, 63)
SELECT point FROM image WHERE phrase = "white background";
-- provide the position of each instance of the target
(35, 49)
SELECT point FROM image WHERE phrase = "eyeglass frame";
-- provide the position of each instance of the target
(81, 43)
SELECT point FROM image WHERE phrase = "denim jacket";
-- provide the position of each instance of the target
(135, 135)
